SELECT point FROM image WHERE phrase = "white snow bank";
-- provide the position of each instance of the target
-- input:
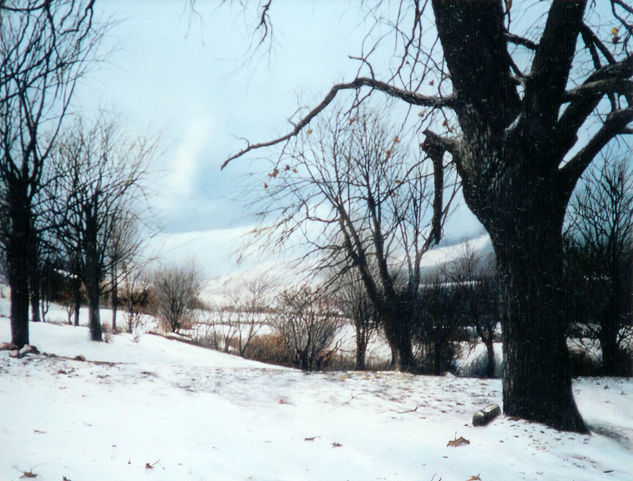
(191, 414)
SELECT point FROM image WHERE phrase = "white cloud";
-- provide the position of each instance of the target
(183, 164)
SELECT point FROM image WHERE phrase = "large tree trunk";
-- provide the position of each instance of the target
(526, 235)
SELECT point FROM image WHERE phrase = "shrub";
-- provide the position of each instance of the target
(176, 290)
(308, 327)
(270, 348)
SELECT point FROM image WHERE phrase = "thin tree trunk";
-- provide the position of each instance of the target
(115, 298)
(77, 300)
(490, 354)
(361, 346)
(35, 301)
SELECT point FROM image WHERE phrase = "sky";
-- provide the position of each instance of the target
(189, 79)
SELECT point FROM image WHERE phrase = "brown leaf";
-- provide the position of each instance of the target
(148, 466)
(460, 441)
(474, 478)
(28, 474)
(336, 445)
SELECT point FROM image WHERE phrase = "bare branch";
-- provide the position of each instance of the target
(409, 97)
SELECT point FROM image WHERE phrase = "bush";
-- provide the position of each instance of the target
(270, 348)
(308, 327)
(584, 363)
(176, 290)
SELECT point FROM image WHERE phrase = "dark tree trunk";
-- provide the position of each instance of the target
(528, 244)
(76, 299)
(93, 280)
(609, 348)
(94, 320)
(397, 327)
(18, 240)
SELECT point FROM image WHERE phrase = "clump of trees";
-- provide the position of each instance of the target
(176, 290)
(308, 325)
(96, 199)
(599, 262)
(44, 50)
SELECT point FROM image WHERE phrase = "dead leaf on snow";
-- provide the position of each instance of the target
(336, 445)
(474, 478)
(460, 441)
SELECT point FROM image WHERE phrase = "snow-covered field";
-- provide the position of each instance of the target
(158, 409)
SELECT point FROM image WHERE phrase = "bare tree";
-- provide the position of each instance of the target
(250, 310)
(135, 296)
(176, 289)
(98, 198)
(600, 240)
(44, 47)
(522, 96)
(352, 299)
(480, 296)
(308, 326)
(361, 199)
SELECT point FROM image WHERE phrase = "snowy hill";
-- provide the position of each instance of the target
(281, 274)
(164, 410)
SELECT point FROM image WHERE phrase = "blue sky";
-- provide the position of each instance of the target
(186, 77)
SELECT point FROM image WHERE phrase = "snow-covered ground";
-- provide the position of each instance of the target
(163, 410)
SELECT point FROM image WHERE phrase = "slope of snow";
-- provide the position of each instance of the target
(169, 411)
(281, 274)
